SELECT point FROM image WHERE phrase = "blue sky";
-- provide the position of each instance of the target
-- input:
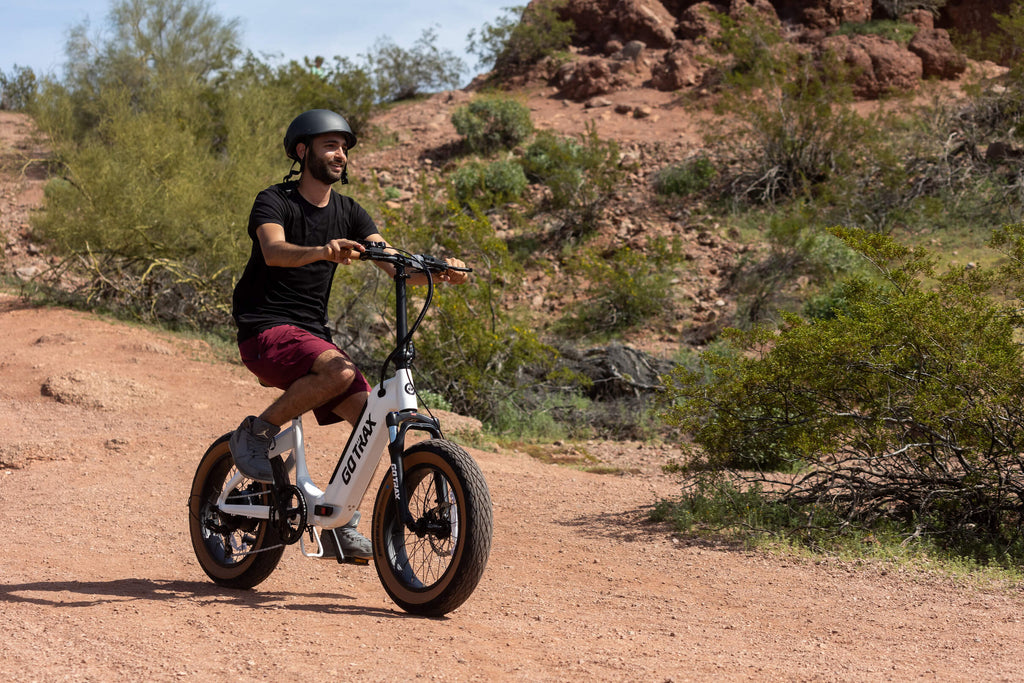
(33, 33)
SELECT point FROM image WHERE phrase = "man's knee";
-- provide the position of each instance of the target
(336, 369)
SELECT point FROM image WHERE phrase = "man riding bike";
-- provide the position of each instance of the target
(301, 230)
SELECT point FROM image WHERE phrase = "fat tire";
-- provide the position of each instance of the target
(256, 537)
(447, 570)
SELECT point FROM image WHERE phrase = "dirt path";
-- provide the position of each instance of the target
(104, 423)
(98, 581)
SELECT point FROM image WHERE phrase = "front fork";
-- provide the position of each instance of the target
(399, 424)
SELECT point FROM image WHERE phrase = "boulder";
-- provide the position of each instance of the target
(698, 21)
(684, 66)
(823, 14)
(584, 79)
(1000, 151)
(882, 65)
(598, 21)
(742, 9)
(939, 59)
(920, 18)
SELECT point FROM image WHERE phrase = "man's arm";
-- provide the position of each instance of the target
(279, 252)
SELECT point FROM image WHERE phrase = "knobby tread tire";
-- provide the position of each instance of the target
(469, 548)
(213, 473)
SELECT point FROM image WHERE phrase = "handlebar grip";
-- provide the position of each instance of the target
(376, 251)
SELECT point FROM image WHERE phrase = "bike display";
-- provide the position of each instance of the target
(432, 515)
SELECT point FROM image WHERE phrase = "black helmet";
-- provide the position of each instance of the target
(315, 122)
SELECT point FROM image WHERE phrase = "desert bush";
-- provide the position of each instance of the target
(18, 88)
(749, 48)
(147, 43)
(903, 407)
(492, 123)
(766, 281)
(580, 174)
(149, 189)
(686, 178)
(895, 9)
(622, 289)
(1007, 43)
(522, 37)
(401, 73)
(342, 86)
(803, 139)
(491, 184)
(901, 32)
(475, 351)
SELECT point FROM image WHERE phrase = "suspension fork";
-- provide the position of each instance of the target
(399, 424)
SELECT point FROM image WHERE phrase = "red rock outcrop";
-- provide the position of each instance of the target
(671, 41)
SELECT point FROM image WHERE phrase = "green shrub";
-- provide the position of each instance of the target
(498, 182)
(1006, 45)
(690, 177)
(17, 89)
(804, 136)
(903, 407)
(400, 73)
(898, 31)
(581, 175)
(468, 181)
(524, 36)
(624, 289)
(748, 46)
(799, 258)
(897, 8)
(342, 86)
(474, 350)
(492, 123)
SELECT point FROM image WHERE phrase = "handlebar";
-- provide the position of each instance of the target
(403, 353)
(421, 262)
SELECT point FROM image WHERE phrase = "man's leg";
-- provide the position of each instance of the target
(330, 375)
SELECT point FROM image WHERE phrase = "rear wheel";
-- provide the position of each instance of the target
(237, 552)
(434, 572)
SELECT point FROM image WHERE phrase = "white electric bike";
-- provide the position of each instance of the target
(432, 517)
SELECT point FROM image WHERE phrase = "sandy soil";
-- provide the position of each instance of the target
(104, 424)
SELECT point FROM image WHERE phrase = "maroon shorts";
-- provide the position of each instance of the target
(283, 354)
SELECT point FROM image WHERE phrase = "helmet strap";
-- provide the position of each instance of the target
(293, 171)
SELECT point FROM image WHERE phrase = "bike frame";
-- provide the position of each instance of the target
(390, 413)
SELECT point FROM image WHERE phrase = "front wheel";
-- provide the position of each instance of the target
(237, 552)
(433, 573)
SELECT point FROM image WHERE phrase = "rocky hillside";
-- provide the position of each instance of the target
(666, 44)
(632, 61)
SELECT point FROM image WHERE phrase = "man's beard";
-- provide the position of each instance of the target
(318, 168)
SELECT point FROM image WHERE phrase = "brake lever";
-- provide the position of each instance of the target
(435, 264)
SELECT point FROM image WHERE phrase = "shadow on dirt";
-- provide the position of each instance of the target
(635, 526)
(91, 593)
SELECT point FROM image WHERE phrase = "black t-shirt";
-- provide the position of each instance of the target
(268, 296)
